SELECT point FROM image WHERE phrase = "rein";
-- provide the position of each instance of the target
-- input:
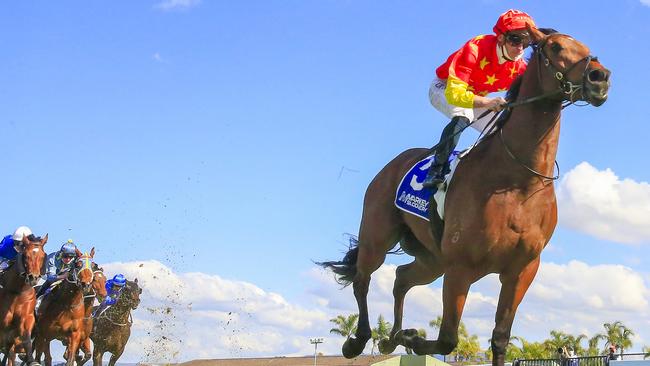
(129, 321)
(565, 86)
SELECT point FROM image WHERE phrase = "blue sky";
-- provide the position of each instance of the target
(236, 139)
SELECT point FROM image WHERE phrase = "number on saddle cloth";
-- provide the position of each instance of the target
(413, 197)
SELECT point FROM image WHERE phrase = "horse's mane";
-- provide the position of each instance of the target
(513, 91)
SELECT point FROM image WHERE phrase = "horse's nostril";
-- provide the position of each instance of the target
(595, 76)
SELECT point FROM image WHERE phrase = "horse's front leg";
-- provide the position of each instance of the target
(73, 347)
(418, 272)
(513, 289)
(454, 293)
(11, 355)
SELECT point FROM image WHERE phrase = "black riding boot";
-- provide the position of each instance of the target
(448, 141)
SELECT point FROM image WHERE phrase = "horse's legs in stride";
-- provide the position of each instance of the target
(513, 289)
(11, 355)
(374, 242)
(419, 272)
(115, 356)
(26, 341)
(72, 349)
(98, 354)
(85, 348)
(48, 354)
(454, 293)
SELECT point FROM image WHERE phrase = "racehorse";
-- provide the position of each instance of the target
(497, 220)
(113, 327)
(62, 311)
(99, 292)
(18, 298)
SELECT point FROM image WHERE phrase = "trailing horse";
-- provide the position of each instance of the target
(62, 312)
(99, 292)
(18, 298)
(113, 327)
(496, 220)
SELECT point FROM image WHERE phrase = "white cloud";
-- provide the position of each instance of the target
(196, 315)
(168, 5)
(601, 204)
(156, 57)
(645, 2)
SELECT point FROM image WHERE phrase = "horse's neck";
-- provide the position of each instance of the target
(13, 281)
(120, 312)
(533, 130)
(74, 294)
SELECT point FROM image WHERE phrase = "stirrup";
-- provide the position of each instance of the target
(433, 181)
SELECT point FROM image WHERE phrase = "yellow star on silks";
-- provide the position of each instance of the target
(479, 37)
(491, 79)
(483, 62)
(513, 71)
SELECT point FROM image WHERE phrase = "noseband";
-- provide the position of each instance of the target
(565, 85)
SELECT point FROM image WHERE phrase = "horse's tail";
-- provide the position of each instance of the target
(345, 269)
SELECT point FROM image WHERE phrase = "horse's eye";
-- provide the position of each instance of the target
(556, 47)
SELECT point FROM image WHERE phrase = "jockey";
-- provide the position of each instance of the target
(58, 264)
(485, 64)
(8, 245)
(113, 291)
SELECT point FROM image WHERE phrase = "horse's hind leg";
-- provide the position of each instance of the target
(373, 246)
(422, 271)
(513, 289)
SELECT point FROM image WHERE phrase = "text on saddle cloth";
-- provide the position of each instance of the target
(414, 198)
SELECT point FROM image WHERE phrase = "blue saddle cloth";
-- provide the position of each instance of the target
(411, 195)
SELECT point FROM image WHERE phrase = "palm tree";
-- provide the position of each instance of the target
(575, 343)
(593, 345)
(618, 335)
(558, 339)
(345, 326)
(380, 332)
(646, 350)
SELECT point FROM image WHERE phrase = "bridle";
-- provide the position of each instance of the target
(565, 86)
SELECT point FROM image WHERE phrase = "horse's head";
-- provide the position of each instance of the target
(567, 66)
(33, 257)
(99, 282)
(83, 271)
(133, 291)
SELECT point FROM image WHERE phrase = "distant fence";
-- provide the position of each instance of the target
(583, 361)
(577, 361)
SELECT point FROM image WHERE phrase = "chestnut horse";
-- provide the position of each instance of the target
(18, 298)
(62, 311)
(497, 220)
(99, 292)
(113, 327)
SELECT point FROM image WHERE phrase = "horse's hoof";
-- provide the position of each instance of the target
(34, 363)
(386, 347)
(352, 348)
(409, 338)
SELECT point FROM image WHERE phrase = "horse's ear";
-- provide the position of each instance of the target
(79, 253)
(535, 34)
(45, 239)
(92, 252)
(135, 280)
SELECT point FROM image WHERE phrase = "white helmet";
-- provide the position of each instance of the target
(21, 232)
